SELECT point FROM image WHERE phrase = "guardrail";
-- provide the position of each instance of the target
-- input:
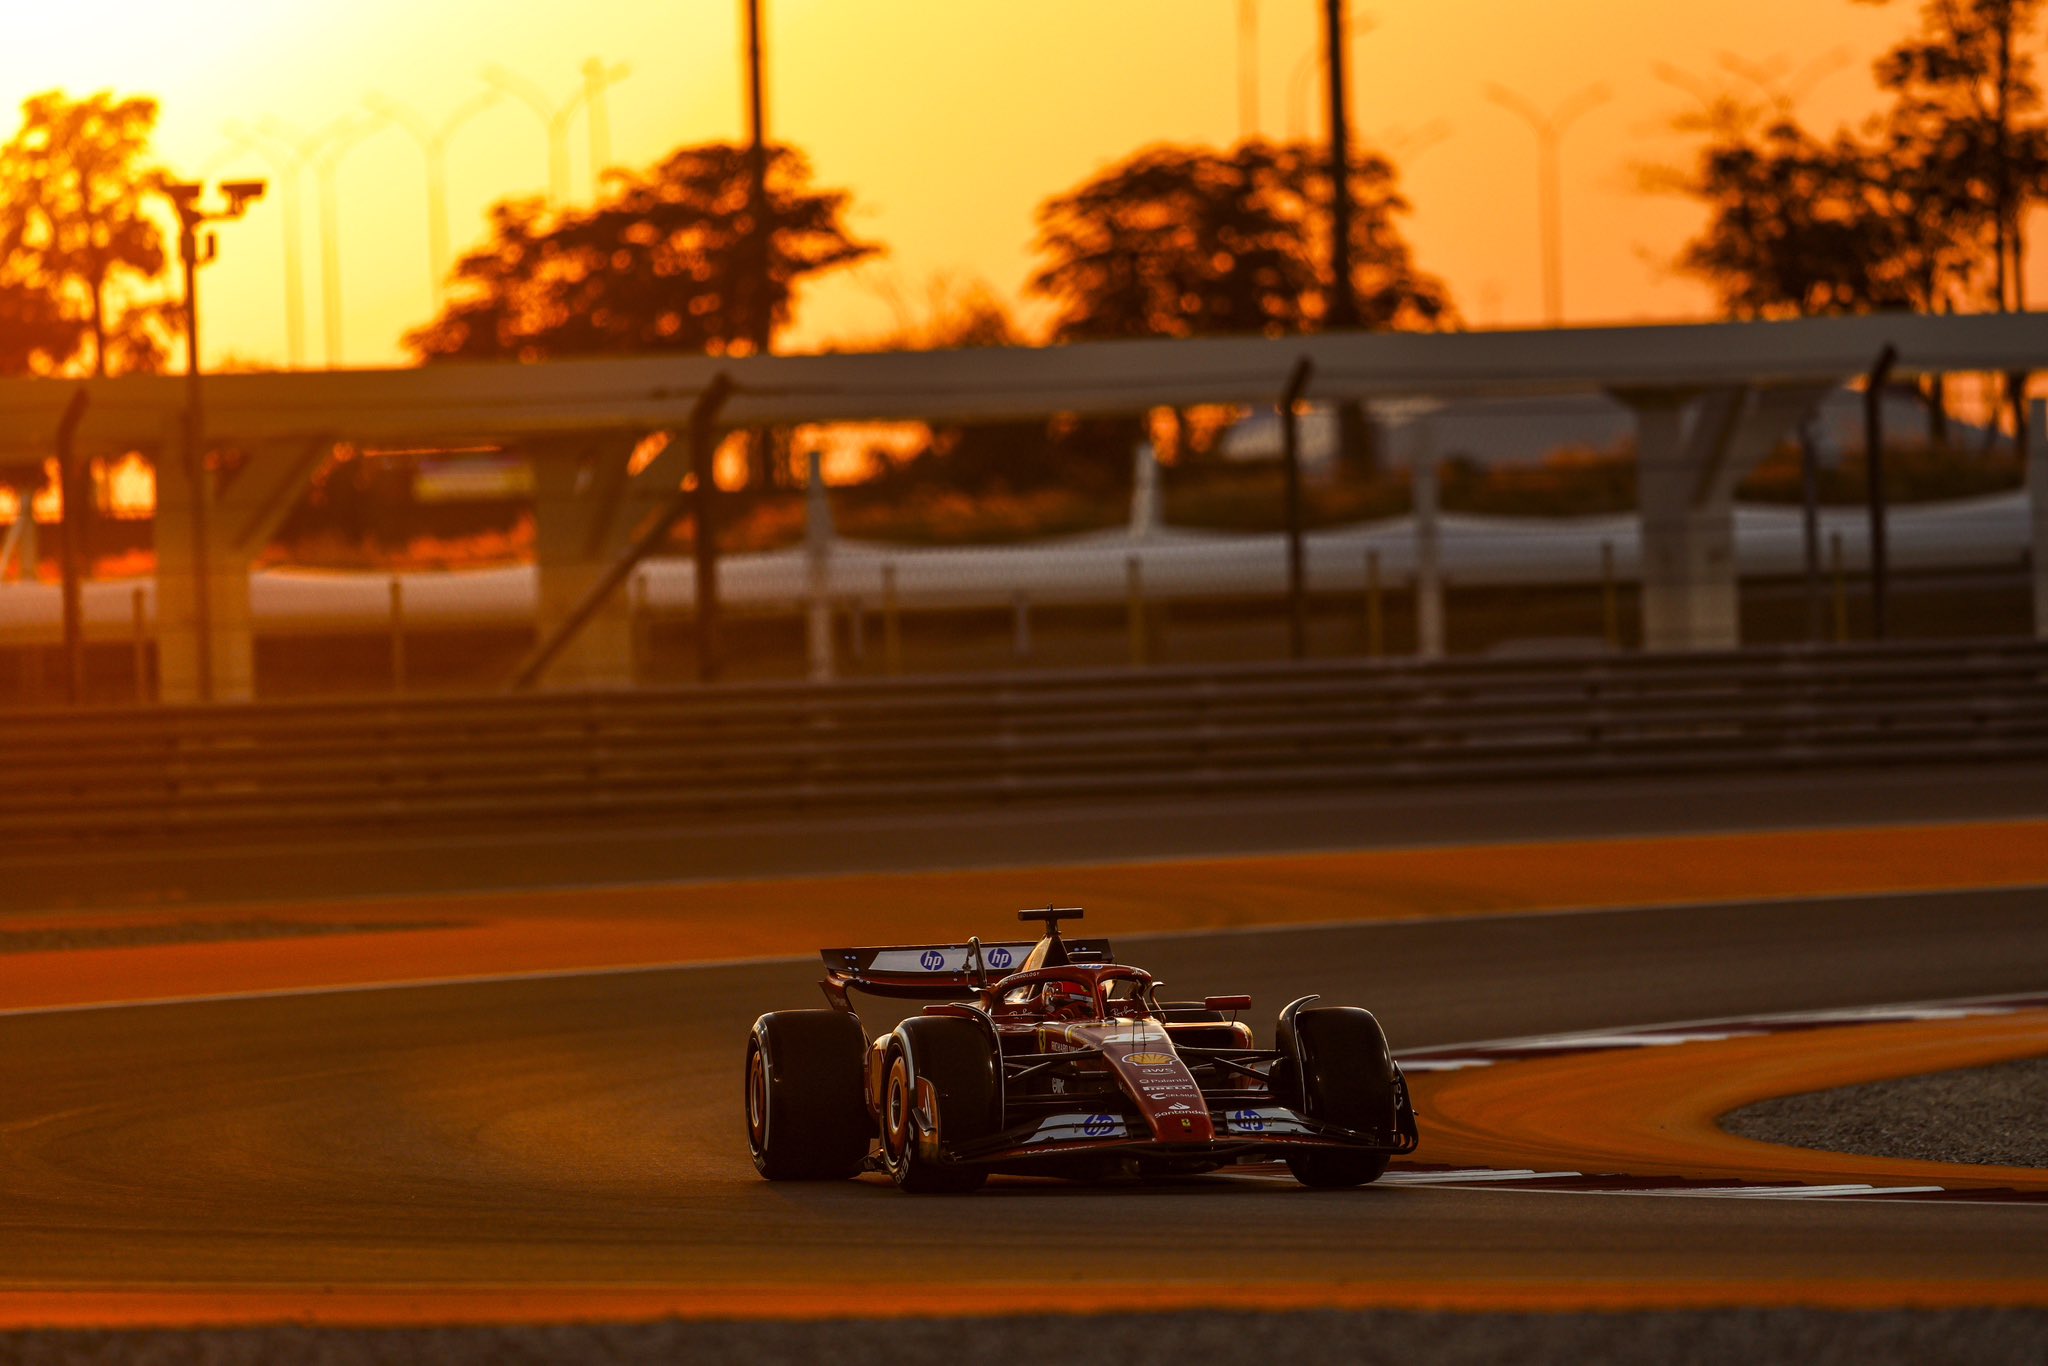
(299, 770)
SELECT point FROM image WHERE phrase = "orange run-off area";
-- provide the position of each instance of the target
(499, 933)
(1653, 1111)
(205, 1306)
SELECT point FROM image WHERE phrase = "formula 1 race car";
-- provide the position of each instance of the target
(1053, 1059)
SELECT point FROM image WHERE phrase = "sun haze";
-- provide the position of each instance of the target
(949, 123)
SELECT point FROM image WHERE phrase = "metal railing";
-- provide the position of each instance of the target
(306, 770)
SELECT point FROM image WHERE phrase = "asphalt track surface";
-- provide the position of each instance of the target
(803, 843)
(585, 1132)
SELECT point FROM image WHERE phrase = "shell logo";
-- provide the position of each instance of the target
(1149, 1059)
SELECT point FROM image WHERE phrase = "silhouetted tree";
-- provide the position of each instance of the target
(75, 241)
(661, 264)
(35, 336)
(1919, 209)
(1964, 100)
(1799, 226)
(1181, 242)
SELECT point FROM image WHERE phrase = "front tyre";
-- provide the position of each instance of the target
(940, 1086)
(1337, 1063)
(806, 1118)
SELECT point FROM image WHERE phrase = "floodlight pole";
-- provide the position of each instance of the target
(1343, 297)
(1550, 130)
(760, 321)
(191, 217)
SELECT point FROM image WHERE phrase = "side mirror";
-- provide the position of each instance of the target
(1230, 1004)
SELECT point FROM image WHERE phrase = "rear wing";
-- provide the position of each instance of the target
(940, 972)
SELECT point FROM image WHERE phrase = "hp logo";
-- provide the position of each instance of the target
(999, 958)
(932, 960)
(1098, 1125)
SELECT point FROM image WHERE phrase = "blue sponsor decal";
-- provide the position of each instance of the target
(1249, 1121)
(932, 960)
(999, 958)
(1098, 1125)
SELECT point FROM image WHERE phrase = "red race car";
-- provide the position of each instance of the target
(1054, 1059)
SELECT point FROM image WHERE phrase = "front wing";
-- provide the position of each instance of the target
(1244, 1133)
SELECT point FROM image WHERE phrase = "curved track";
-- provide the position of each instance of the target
(548, 1139)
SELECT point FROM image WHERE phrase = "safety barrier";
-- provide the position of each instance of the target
(299, 770)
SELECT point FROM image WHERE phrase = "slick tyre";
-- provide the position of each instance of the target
(940, 1087)
(1339, 1069)
(806, 1118)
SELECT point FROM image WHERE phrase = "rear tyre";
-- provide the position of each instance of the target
(806, 1118)
(1337, 1068)
(940, 1087)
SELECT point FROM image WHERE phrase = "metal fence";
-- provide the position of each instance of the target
(290, 772)
(1136, 589)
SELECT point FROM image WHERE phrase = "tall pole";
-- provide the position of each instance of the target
(289, 163)
(191, 217)
(195, 458)
(433, 144)
(324, 151)
(1343, 297)
(554, 118)
(596, 77)
(1550, 130)
(760, 316)
(1247, 69)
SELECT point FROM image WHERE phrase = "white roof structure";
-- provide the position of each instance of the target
(500, 401)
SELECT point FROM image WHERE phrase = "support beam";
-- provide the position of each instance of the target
(592, 529)
(577, 535)
(1692, 449)
(247, 510)
(222, 666)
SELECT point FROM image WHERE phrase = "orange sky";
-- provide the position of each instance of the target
(949, 121)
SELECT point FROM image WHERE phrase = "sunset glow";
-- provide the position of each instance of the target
(948, 123)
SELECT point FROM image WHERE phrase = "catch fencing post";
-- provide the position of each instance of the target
(1134, 609)
(857, 630)
(892, 622)
(1610, 604)
(1297, 574)
(1375, 608)
(1020, 626)
(2037, 498)
(1873, 462)
(1429, 585)
(397, 634)
(139, 609)
(1809, 525)
(74, 484)
(639, 630)
(704, 436)
(1841, 588)
(817, 570)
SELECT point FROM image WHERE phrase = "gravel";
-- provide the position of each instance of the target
(1810, 1337)
(1995, 1116)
